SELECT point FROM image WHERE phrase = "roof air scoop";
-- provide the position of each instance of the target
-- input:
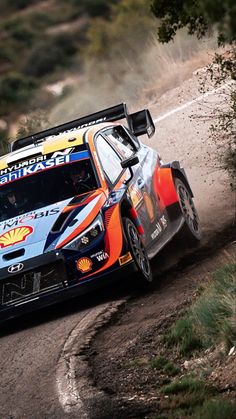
(24, 154)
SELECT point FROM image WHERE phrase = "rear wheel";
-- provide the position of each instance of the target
(138, 252)
(191, 229)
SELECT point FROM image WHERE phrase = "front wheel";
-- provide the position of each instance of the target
(191, 229)
(138, 252)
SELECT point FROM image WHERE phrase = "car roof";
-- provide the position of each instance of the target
(51, 144)
(73, 133)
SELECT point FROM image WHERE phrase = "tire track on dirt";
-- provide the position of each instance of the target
(74, 388)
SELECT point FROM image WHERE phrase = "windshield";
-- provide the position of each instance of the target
(45, 188)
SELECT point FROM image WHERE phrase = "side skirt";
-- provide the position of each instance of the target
(171, 231)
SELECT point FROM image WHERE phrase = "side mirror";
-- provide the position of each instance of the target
(128, 163)
(131, 161)
(142, 123)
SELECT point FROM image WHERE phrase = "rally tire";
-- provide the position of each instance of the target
(191, 231)
(138, 252)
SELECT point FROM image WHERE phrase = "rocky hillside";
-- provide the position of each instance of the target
(47, 45)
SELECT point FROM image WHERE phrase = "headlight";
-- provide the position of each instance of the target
(88, 235)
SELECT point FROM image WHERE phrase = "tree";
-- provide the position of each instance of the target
(199, 17)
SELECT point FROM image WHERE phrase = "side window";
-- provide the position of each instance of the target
(109, 159)
(120, 137)
(132, 138)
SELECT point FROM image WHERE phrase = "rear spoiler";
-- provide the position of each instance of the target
(139, 123)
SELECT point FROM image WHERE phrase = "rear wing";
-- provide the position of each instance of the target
(139, 123)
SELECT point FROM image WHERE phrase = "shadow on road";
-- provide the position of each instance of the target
(172, 259)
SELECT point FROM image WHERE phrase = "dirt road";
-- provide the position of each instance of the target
(37, 353)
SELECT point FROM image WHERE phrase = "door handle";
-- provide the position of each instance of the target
(141, 183)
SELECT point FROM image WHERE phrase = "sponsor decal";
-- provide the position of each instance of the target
(14, 236)
(100, 256)
(15, 268)
(113, 198)
(125, 259)
(84, 265)
(149, 206)
(164, 221)
(62, 152)
(28, 217)
(41, 165)
(157, 231)
(25, 163)
(88, 124)
(159, 227)
(135, 195)
(34, 160)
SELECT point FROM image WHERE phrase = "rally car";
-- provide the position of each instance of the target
(83, 202)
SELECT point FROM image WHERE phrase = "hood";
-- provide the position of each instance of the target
(46, 228)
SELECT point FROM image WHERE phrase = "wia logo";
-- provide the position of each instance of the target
(102, 256)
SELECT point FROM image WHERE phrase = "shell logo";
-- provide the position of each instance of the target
(84, 265)
(16, 235)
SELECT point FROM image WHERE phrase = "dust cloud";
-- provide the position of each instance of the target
(154, 69)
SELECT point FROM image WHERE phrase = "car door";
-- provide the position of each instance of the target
(141, 184)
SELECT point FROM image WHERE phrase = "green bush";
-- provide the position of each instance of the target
(215, 311)
(50, 54)
(19, 30)
(7, 6)
(4, 145)
(162, 364)
(21, 4)
(6, 53)
(93, 8)
(96, 7)
(230, 162)
(34, 122)
(15, 89)
(183, 335)
(129, 25)
(217, 409)
(185, 385)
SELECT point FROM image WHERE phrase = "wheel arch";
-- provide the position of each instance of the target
(178, 171)
(127, 210)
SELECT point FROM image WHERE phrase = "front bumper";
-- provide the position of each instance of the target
(47, 279)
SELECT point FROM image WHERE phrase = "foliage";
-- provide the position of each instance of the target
(11, 5)
(215, 312)
(183, 335)
(15, 89)
(96, 7)
(4, 145)
(50, 54)
(34, 122)
(197, 16)
(162, 364)
(217, 409)
(93, 8)
(223, 68)
(184, 385)
(212, 319)
(19, 30)
(129, 21)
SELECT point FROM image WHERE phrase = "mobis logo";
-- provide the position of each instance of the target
(29, 217)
